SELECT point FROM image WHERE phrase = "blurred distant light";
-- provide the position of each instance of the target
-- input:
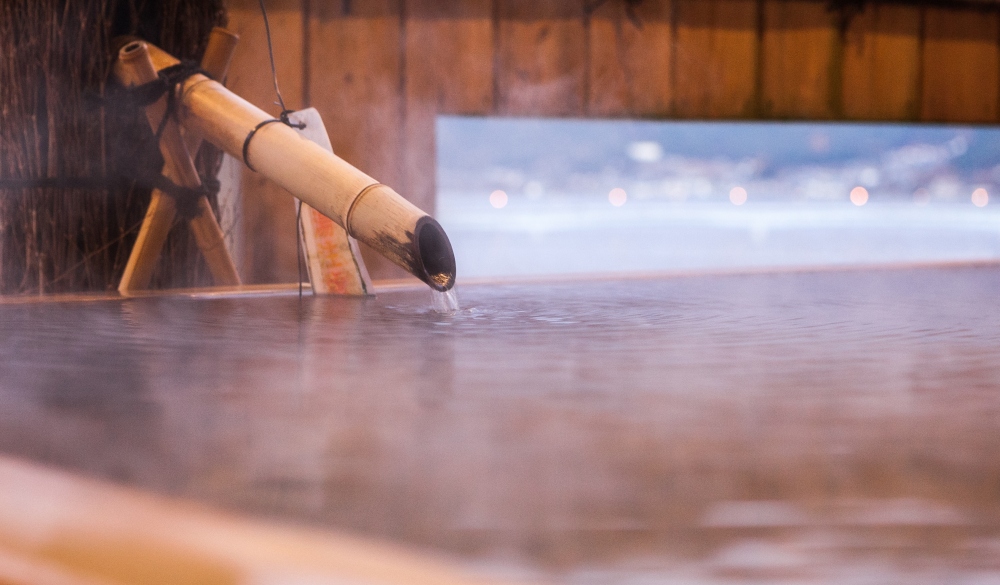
(859, 196)
(921, 196)
(498, 199)
(738, 196)
(980, 197)
(645, 151)
(534, 189)
(617, 197)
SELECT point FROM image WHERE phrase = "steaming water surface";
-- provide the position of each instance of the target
(815, 427)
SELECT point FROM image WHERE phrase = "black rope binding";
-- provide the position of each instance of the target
(185, 198)
(167, 81)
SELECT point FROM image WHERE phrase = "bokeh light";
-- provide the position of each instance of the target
(980, 197)
(859, 196)
(645, 151)
(738, 196)
(617, 197)
(498, 199)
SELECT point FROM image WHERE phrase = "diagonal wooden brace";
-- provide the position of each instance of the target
(134, 67)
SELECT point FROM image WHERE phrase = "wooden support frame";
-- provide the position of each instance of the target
(134, 67)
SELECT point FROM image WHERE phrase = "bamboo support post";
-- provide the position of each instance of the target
(156, 225)
(219, 53)
(134, 67)
(369, 211)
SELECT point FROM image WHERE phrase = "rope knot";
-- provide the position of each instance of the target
(283, 116)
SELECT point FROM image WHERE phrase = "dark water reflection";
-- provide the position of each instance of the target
(783, 426)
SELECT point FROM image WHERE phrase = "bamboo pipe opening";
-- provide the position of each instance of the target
(130, 48)
(437, 259)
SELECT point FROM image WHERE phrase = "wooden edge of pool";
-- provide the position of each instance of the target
(60, 528)
(412, 284)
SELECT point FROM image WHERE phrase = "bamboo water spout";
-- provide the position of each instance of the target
(371, 212)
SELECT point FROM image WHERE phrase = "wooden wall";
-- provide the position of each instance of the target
(379, 71)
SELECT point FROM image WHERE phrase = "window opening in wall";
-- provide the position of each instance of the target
(523, 197)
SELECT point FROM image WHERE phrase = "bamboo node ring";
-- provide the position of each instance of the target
(350, 210)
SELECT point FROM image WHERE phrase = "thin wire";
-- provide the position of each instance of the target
(91, 255)
(270, 53)
(284, 118)
(298, 244)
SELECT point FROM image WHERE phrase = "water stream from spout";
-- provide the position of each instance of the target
(444, 302)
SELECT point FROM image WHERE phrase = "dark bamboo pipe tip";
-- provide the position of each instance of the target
(436, 259)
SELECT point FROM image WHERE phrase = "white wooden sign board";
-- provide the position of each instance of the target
(333, 258)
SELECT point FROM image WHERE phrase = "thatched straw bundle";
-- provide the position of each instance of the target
(57, 124)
